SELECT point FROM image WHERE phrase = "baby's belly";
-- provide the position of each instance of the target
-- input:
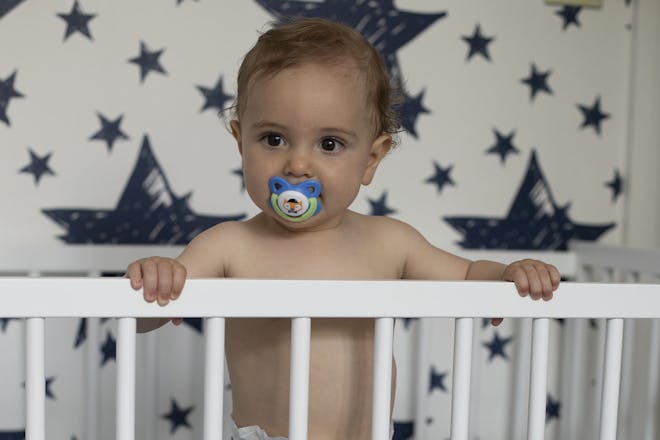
(341, 375)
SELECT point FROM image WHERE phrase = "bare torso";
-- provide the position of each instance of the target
(341, 365)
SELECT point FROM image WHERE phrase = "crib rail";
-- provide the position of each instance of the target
(39, 298)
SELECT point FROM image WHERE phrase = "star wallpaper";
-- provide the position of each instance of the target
(111, 132)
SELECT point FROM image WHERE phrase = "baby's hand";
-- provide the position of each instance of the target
(160, 278)
(533, 277)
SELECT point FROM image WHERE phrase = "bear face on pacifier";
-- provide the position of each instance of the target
(294, 202)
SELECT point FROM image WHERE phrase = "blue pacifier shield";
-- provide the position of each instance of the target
(295, 203)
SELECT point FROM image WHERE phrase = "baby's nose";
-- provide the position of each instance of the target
(299, 164)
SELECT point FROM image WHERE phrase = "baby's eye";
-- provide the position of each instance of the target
(273, 140)
(331, 145)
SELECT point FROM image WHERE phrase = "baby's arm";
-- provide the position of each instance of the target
(162, 279)
(425, 261)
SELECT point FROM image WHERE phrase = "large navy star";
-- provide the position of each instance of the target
(503, 145)
(7, 92)
(441, 176)
(592, 115)
(76, 21)
(12, 435)
(109, 349)
(497, 345)
(537, 82)
(534, 221)
(38, 166)
(178, 417)
(403, 430)
(379, 207)
(616, 184)
(109, 131)
(478, 43)
(570, 15)
(148, 61)
(5, 7)
(215, 97)
(148, 212)
(385, 26)
(437, 380)
(551, 409)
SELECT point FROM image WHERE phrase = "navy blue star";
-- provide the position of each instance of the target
(178, 416)
(441, 176)
(592, 115)
(196, 324)
(570, 15)
(215, 97)
(534, 221)
(407, 321)
(408, 110)
(537, 82)
(49, 393)
(478, 43)
(403, 430)
(551, 409)
(76, 21)
(81, 333)
(616, 184)
(381, 23)
(7, 92)
(497, 345)
(12, 435)
(239, 172)
(109, 349)
(503, 145)
(4, 322)
(148, 212)
(148, 61)
(379, 207)
(5, 7)
(109, 131)
(437, 380)
(38, 166)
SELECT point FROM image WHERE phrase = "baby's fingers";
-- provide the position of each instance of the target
(134, 273)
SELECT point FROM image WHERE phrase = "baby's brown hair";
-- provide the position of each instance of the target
(317, 40)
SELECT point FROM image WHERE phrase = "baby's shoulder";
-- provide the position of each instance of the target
(387, 227)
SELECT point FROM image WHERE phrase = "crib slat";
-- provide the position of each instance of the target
(422, 378)
(460, 395)
(611, 379)
(520, 391)
(126, 379)
(214, 330)
(652, 382)
(299, 380)
(538, 379)
(35, 384)
(92, 382)
(380, 415)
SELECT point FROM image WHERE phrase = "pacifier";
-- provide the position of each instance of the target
(295, 203)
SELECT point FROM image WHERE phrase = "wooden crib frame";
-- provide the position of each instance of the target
(39, 296)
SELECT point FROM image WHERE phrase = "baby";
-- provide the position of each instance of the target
(313, 119)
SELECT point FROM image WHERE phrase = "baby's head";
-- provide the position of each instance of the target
(319, 41)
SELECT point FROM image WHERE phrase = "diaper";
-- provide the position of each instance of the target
(256, 433)
(248, 433)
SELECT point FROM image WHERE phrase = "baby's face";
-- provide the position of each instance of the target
(309, 122)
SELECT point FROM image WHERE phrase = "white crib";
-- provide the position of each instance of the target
(41, 295)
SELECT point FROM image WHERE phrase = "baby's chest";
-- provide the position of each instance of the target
(324, 261)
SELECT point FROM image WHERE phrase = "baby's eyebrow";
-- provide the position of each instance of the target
(270, 124)
(339, 130)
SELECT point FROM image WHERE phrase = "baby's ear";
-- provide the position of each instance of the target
(379, 148)
(236, 132)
